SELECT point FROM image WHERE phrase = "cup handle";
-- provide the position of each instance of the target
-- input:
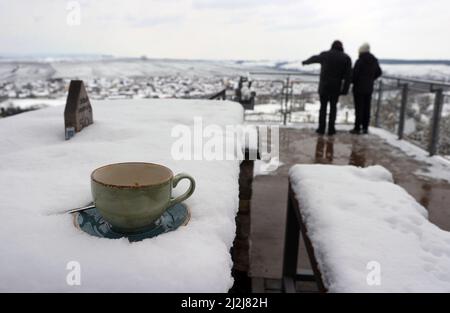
(188, 193)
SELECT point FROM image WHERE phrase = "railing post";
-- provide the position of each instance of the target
(286, 100)
(291, 103)
(401, 122)
(437, 112)
(380, 98)
(283, 87)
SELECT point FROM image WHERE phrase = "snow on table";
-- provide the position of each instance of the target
(42, 174)
(358, 219)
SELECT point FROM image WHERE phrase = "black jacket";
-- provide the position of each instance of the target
(366, 71)
(335, 72)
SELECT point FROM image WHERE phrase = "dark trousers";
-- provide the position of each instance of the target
(333, 100)
(362, 110)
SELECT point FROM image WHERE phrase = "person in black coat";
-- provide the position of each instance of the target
(335, 79)
(366, 71)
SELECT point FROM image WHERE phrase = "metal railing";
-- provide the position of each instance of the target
(221, 95)
(407, 85)
(386, 84)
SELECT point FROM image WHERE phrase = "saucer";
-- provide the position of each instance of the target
(91, 222)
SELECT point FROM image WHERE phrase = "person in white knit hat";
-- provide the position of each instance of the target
(365, 47)
(365, 72)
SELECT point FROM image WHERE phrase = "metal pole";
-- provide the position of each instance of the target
(437, 112)
(380, 98)
(401, 122)
(286, 100)
(282, 95)
(291, 96)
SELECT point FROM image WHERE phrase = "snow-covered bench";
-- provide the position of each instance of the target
(363, 233)
(43, 175)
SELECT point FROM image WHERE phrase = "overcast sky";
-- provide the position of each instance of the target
(226, 29)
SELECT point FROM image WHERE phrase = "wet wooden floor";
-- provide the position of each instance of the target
(303, 146)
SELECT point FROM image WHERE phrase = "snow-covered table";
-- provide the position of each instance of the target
(363, 232)
(42, 174)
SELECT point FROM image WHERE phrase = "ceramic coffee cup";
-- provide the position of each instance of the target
(131, 196)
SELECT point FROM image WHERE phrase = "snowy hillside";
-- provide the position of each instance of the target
(118, 67)
(437, 71)
(425, 71)
(53, 68)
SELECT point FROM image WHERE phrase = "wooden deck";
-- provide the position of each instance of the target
(301, 146)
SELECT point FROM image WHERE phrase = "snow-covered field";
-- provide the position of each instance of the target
(425, 71)
(29, 70)
(377, 240)
(43, 175)
(428, 71)
(118, 67)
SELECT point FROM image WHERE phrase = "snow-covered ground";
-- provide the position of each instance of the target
(42, 175)
(438, 166)
(377, 240)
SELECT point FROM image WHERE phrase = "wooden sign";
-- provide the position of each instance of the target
(78, 111)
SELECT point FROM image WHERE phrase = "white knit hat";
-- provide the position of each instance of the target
(365, 47)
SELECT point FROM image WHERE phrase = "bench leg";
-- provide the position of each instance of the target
(294, 229)
(291, 243)
(312, 258)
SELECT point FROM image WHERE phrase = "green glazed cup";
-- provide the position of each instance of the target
(131, 196)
